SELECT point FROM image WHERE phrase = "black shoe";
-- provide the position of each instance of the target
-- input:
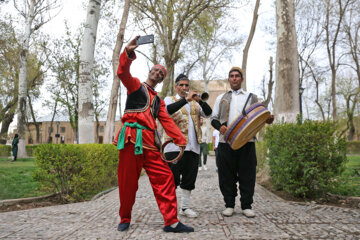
(123, 226)
(180, 228)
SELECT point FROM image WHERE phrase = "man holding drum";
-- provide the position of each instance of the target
(136, 142)
(186, 108)
(235, 166)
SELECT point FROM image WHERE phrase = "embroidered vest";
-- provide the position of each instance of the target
(139, 101)
(181, 119)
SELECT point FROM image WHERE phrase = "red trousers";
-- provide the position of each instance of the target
(161, 180)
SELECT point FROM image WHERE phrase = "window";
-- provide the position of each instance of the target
(30, 140)
(101, 139)
(62, 129)
(101, 129)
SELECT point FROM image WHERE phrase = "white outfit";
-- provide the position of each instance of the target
(192, 144)
(238, 99)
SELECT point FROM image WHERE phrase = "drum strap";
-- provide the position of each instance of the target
(247, 100)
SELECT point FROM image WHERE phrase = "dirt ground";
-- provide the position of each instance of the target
(50, 201)
(329, 199)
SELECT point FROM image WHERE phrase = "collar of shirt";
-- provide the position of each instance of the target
(150, 88)
(239, 91)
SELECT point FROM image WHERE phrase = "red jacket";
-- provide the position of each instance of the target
(145, 118)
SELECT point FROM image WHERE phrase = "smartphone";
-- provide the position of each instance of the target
(145, 39)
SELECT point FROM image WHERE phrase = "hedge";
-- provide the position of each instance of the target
(76, 171)
(5, 150)
(305, 159)
(30, 150)
(260, 155)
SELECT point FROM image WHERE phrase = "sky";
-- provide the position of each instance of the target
(74, 12)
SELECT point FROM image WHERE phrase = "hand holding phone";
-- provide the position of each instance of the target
(145, 39)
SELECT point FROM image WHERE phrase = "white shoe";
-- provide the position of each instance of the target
(205, 168)
(200, 168)
(248, 213)
(228, 212)
(188, 213)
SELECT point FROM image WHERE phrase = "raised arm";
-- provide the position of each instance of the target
(123, 72)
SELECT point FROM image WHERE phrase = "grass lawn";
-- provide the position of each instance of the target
(16, 179)
(350, 179)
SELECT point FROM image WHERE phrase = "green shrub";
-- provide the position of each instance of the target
(260, 155)
(5, 150)
(30, 150)
(76, 171)
(353, 147)
(210, 147)
(304, 159)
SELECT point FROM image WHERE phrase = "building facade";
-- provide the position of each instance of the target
(60, 131)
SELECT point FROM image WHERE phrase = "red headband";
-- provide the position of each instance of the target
(162, 68)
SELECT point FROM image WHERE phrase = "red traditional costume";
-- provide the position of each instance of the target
(142, 107)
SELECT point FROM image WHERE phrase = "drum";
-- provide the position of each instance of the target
(245, 127)
(175, 160)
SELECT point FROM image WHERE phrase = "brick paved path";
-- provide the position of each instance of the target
(276, 218)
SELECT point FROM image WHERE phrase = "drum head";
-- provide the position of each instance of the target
(244, 128)
(250, 130)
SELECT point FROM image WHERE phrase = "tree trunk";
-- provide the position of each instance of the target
(37, 127)
(248, 43)
(270, 84)
(86, 106)
(286, 106)
(168, 83)
(23, 81)
(110, 121)
(5, 123)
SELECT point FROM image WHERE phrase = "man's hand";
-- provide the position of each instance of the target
(270, 119)
(130, 47)
(223, 129)
(192, 95)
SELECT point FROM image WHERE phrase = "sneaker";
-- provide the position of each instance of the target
(228, 212)
(123, 226)
(180, 228)
(248, 213)
(200, 168)
(188, 213)
(205, 168)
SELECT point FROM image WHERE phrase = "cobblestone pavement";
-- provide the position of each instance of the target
(275, 219)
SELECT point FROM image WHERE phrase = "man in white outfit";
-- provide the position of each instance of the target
(186, 108)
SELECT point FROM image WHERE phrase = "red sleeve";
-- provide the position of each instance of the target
(132, 84)
(170, 127)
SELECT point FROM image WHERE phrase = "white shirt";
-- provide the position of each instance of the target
(204, 136)
(238, 99)
(216, 134)
(192, 144)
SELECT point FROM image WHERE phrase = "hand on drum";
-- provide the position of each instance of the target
(270, 119)
(223, 129)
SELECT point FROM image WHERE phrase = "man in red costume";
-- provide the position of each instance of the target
(137, 145)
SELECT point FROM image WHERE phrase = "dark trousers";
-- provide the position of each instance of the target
(203, 152)
(237, 166)
(185, 170)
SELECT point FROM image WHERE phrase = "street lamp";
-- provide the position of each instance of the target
(301, 91)
(57, 135)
